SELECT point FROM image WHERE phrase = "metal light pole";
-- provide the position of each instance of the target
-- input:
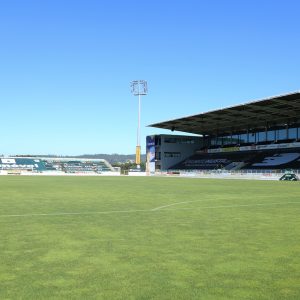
(139, 88)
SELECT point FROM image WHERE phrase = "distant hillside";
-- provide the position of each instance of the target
(114, 158)
(111, 158)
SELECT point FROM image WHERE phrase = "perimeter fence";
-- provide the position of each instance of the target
(236, 174)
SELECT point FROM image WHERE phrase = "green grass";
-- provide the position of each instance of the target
(231, 240)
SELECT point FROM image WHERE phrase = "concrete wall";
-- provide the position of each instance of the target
(185, 150)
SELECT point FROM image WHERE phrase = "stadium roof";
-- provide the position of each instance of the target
(253, 115)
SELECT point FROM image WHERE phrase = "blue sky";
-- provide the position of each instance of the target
(66, 66)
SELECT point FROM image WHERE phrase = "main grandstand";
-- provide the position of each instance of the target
(53, 166)
(258, 135)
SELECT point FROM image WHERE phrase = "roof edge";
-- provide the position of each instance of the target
(227, 107)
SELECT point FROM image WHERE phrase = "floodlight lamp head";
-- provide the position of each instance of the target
(139, 87)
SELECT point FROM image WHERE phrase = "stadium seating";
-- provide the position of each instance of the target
(210, 161)
(279, 159)
(39, 165)
(265, 159)
(24, 164)
(84, 167)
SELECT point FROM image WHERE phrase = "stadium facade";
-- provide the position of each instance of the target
(263, 134)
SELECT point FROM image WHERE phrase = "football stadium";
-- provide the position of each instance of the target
(256, 137)
(171, 235)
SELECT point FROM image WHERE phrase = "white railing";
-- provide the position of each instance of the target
(222, 171)
(266, 174)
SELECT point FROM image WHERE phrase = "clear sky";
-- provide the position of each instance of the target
(66, 66)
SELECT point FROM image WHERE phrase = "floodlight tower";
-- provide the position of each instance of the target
(139, 88)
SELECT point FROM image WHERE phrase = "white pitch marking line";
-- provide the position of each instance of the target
(110, 240)
(145, 210)
(77, 213)
(234, 205)
(178, 203)
(183, 202)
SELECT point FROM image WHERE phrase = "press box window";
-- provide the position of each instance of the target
(172, 154)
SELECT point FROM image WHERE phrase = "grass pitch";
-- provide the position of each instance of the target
(148, 238)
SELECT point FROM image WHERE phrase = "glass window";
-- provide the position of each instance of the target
(292, 133)
(261, 136)
(271, 135)
(170, 140)
(158, 155)
(281, 134)
(221, 140)
(187, 141)
(227, 140)
(243, 138)
(215, 141)
(206, 141)
(251, 137)
(235, 139)
(172, 154)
